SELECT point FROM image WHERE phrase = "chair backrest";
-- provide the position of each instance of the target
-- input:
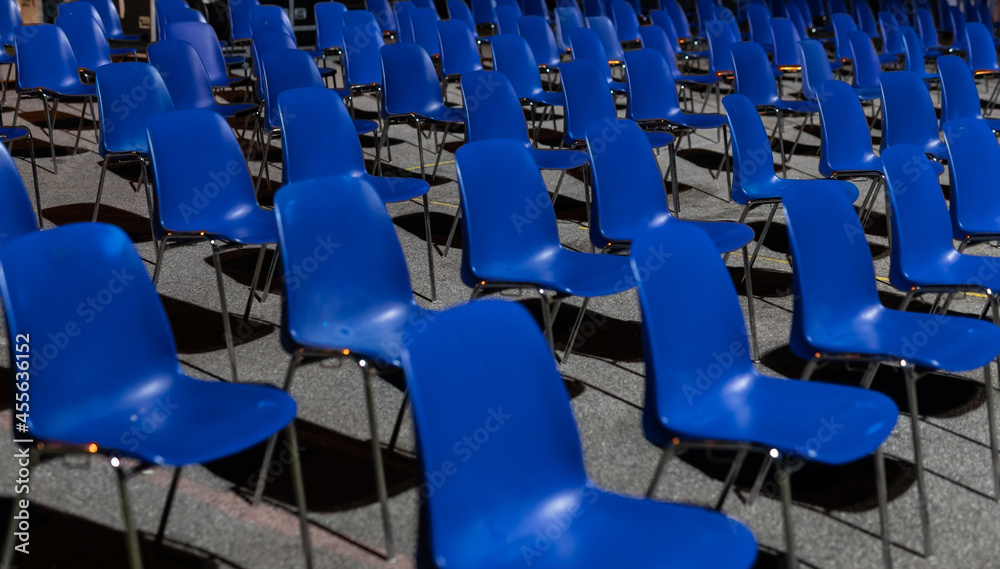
(425, 30)
(202, 37)
(678, 17)
(973, 170)
(314, 120)
(626, 20)
(108, 11)
(45, 58)
(404, 17)
(507, 17)
(605, 32)
(329, 24)
(362, 45)
(907, 111)
(865, 19)
(815, 67)
(661, 19)
(45, 279)
(536, 8)
(497, 177)
(239, 18)
(493, 108)
(720, 45)
(705, 11)
(459, 51)
(163, 9)
(171, 13)
(17, 218)
(866, 64)
(959, 95)
(183, 73)
(10, 20)
(786, 44)
(760, 24)
(284, 69)
(587, 98)
(567, 20)
(797, 18)
(982, 52)
(484, 12)
(842, 25)
(753, 162)
(123, 115)
(725, 15)
(914, 50)
(586, 46)
(532, 459)
(833, 275)
(87, 40)
(346, 217)
(754, 78)
(384, 15)
(594, 8)
(459, 10)
(264, 42)
(845, 138)
(209, 164)
(628, 194)
(926, 29)
(536, 31)
(958, 25)
(270, 18)
(892, 38)
(653, 37)
(409, 81)
(918, 214)
(513, 58)
(686, 343)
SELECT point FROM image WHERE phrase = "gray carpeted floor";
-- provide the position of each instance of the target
(75, 516)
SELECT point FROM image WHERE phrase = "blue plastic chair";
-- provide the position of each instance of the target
(959, 95)
(982, 52)
(270, 18)
(373, 312)
(682, 340)
(927, 32)
(85, 37)
(187, 80)
(10, 21)
(329, 18)
(754, 179)
(425, 30)
(626, 21)
(47, 69)
(755, 81)
(123, 135)
(567, 20)
(362, 58)
(865, 19)
(504, 249)
(892, 37)
(411, 92)
(842, 25)
(915, 55)
(541, 40)
(42, 278)
(165, 11)
(661, 19)
(802, 25)
(384, 15)
(586, 45)
(974, 163)
(239, 19)
(16, 217)
(704, 10)
(202, 37)
(720, 44)
(785, 39)
(459, 10)
(653, 37)
(594, 8)
(958, 26)
(512, 57)
(837, 314)
(816, 69)
(183, 174)
(484, 12)
(84, 8)
(760, 26)
(867, 69)
(608, 38)
(507, 19)
(908, 114)
(459, 51)
(536, 8)
(533, 463)
(404, 16)
(108, 12)
(680, 20)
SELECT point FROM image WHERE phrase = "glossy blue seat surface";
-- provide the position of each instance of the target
(908, 115)
(187, 176)
(628, 194)
(605, 31)
(126, 131)
(843, 24)
(344, 221)
(505, 243)
(846, 144)
(404, 15)
(314, 120)
(533, 462)
(484, 12)
(459, 10)
(682, 340)
(45, 61)
(786, 45)
(837, 309)
(494, 111)
(411, 85)
(755, 80)
(760, 26)
(507, 19)
(974, 160)
(753, 162)
(425, 30)
(79, 399)
(652, 94)
(653, 37)
(720, 44)
(513, 57)
(865, 19)
(186, 79)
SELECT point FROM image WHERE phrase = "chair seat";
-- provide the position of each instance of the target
(247, 225)
(12, 133)
(563, 271)
(123, 51)
(692, 120)
(327, 72)
(598, 538)
(778, 187)
(447, 114)
(696, 79)
(234, 109)
(747, 407)
(950, 269)
(960, 344)
(554, 98)
(868, 164)
(362, 126)
(7, 59)
(194, 421)
(868, 93)
(618, 86)
(78, 89)
(888, 58)
(726, 235)
(797, 106)
(937, 149)
(929, 76)
(234, 60)
(658, 138)
(391, 189)
(557, 159)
